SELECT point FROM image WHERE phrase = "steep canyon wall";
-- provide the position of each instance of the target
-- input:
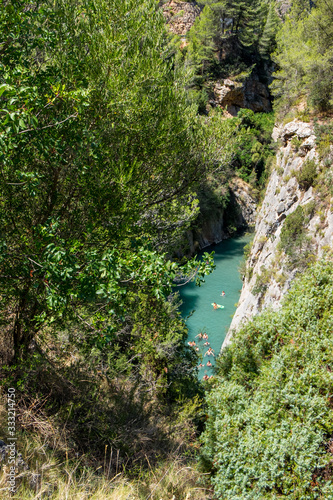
(218, 223)
(270, 268)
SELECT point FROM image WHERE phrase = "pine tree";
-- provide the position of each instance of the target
(249, 24)
(304, 56)
(269, 30)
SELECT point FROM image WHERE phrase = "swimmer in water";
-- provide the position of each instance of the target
(197, 348)
(201, 365)
(205, 336)
(222, 294)
(205, 377)
(215, 305)
(209, 363)
(206, 343)
(200, 335)
(210, 352)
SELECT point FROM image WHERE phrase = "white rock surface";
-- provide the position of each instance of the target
(283, 196)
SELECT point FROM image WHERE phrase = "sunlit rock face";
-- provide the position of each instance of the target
(283, 196)
(180, 16)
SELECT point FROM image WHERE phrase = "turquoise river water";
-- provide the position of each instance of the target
(215, 322)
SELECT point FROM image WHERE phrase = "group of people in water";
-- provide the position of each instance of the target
(209, 352)
(202, 336)
(209, 364)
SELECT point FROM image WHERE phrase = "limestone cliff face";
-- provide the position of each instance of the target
(214, 226)
(180, 16)
(268, 274)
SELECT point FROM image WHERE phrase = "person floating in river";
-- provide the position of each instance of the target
(201, 365)
(206, 343)
(222, 294)
(210, 352)
(209, 363)
(215, 305)
(205, 377)
(200, 335)
(205, 336)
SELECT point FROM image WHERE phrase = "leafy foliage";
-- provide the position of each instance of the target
(88, 191)
(304, 56)
(270, 420)
(253, 145)
(100, 153)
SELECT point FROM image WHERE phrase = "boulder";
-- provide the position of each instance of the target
(180, 16)
(295, 128)
(307, 145)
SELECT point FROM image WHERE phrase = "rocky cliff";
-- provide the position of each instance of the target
(233, 95)
(284, 244)
(217, 223)
(180, 16)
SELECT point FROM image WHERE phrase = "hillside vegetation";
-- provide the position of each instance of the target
(270, 423)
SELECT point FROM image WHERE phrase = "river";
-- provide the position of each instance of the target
(215, 322)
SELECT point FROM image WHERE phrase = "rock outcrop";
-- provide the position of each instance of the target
(283, 7)
(214, 226)
(245, 202)
(232, 95)
(268, 275)
(209, 230)
(180, 16)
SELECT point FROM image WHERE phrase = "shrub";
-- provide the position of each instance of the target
(296, 142)
(269, 417)
(262, 282)
(309, 209)
(294, 241)
(293, 233)
(307, 176)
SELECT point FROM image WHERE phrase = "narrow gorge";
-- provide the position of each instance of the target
(166, 186)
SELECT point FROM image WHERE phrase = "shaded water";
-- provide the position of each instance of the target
(226, 277)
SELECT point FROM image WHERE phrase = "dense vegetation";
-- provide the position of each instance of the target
(269, 428)
(231, 36)
(304, 57)
(99, 154)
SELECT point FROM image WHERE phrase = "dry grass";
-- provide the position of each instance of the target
(56, 472)
(49, 478)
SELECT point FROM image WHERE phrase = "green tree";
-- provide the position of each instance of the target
(304, 57)
(236, 26)
(98, 152)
